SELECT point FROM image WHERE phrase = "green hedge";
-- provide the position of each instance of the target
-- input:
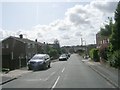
(114, 59)
(6, 70)
(94, 55)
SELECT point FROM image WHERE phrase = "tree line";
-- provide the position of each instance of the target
(110, 53)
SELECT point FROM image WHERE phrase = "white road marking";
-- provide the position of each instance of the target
(63, 70)
(55, 83)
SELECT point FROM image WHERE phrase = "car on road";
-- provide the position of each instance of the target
(63, 57)
(39, 61)
(68, 55)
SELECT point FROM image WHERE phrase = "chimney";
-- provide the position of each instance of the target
(35, 40)
(21, 36)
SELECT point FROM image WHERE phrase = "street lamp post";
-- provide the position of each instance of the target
(81, 41)
(85, 48)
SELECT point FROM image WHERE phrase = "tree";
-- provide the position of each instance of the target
(114, 55)
(115, 37)
(63, 50)
(114, 59)
(57, 46)
(53, 53)
(107, 30)
(103, 51)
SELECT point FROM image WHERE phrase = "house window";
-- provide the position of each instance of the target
(22, 56)
(30, 55)
(28, 45)
(31, 45)
(7, 46)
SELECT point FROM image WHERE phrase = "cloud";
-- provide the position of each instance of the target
(78, 15)
(66, 37)
(5, 33)
(79, 21)
(1, 36)
(83, 17)
(39, 35)
(64, 27)
(78, 34)
(105, 6)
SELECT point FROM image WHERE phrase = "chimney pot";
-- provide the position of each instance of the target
(21, 36)
(35, 40)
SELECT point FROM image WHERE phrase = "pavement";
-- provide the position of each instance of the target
(109, 73)
(14, 74)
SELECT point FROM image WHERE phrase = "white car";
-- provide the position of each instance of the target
(63, 57)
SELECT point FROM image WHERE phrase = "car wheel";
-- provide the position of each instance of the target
(28, 68)
(49, 65)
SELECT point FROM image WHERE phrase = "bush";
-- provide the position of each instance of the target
(81, 52)
(53, 53)
(103, 51)
(6, 70)
(94, 54)
(114, 59)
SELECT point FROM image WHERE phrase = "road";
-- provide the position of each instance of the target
(62, 74)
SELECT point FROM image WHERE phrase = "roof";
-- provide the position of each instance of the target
(24, 40)
(39, 43)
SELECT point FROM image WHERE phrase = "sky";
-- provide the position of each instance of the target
(46, 21)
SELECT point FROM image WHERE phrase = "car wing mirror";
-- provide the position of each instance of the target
(51, 57)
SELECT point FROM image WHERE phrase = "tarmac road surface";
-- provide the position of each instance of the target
(72, 73)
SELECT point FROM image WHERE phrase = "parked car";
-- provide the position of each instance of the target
(68, 55)
(86, 57)
(39, 61)
(63, 57)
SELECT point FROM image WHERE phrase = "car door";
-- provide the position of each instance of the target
(46, 60)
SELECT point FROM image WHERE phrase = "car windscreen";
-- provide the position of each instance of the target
(37, 57)
(63, 55)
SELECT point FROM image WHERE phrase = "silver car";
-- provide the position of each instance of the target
(39, 61)
(63, 57)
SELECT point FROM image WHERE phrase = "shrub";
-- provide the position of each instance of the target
(6, 70)
(94, 54)
(90, 53)
(53, 53)
(103, 51)
(114, 59)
